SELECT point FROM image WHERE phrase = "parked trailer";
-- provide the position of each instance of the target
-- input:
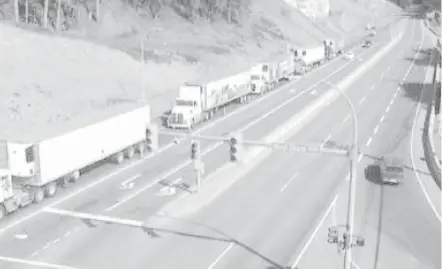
(308, 57)
(266, 76)
(333, 48)
(198, 102)
(32, 170)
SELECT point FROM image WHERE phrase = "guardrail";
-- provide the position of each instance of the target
(431, 158)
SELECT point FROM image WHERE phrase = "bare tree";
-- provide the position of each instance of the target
(45, 14)
(97, 10)
(27, 11)
(16, 11)
(58, 15)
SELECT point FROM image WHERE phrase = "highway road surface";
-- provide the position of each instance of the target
(259, 222)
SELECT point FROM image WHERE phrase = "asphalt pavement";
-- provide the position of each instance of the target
(253, 227)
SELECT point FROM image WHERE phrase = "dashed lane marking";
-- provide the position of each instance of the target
(216, 261)
(376, 129)
(369, 141)
(346, 118)
(382, 118)
(288, 182)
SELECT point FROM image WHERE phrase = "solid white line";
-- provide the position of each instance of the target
(140, 161)
(376, 129)
(220, 256)
(346, 118)
(131, 179)
(313, 235)
(288, 182)
(413, 161)
(382, 118)
(325, 141)
(369, 141)
(34, 263)
(362, 100)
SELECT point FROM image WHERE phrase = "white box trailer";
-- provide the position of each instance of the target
(198, 102)
(266, 76)
(37, 167)
(308, 57)
(333, 48)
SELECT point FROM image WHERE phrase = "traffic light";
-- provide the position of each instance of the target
(195, 150)
(152, 136)
(332, 236)
(236, 147)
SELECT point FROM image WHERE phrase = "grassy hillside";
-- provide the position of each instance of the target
(56, 77)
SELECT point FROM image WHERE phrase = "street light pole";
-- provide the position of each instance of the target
(349, 227)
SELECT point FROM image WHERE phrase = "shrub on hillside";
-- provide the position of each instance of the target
(32, 11)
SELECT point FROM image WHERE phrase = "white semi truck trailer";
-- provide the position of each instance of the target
(198, 102)
(33, 168)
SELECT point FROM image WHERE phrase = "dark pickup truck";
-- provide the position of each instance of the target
(386, 171)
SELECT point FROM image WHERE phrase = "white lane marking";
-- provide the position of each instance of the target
(382, 75)
(34, 263)
(362, 100)
(313, 235)
(388, 69)
(129, 183)
(413, 161)
(46, 246)
(67, 233)
(140, 161)
(355, 265)
(369, 141)
(360, 157)
(288, 182)
(395, 95)
(391, 102)
(376, 129)
(55, 241)
(397, 89)
(326, 140)
(387, 109)
(346, 118)
(382, 118)
(216, 261)
(372, 87)
(35, 253)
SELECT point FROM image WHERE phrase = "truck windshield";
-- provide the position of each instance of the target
(180, 102)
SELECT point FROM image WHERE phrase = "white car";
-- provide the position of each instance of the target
(349, 55)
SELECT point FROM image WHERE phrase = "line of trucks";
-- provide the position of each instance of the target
(33, 169)
(198, 102)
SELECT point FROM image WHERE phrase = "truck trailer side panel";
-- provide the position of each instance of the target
(313, 55)
(80, 148)
(221, 92)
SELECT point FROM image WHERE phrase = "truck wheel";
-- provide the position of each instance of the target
(3, 212)
(130, 152)
(141, 148)
(119, 157)
(38, 195)
(51, 189)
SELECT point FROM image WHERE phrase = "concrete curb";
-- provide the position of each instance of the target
(232, 172)
(431, 158)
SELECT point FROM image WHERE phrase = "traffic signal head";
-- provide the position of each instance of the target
(152, 136)
(194, 150)
(235, 146)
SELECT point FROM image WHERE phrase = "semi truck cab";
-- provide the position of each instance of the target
(187, 109)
